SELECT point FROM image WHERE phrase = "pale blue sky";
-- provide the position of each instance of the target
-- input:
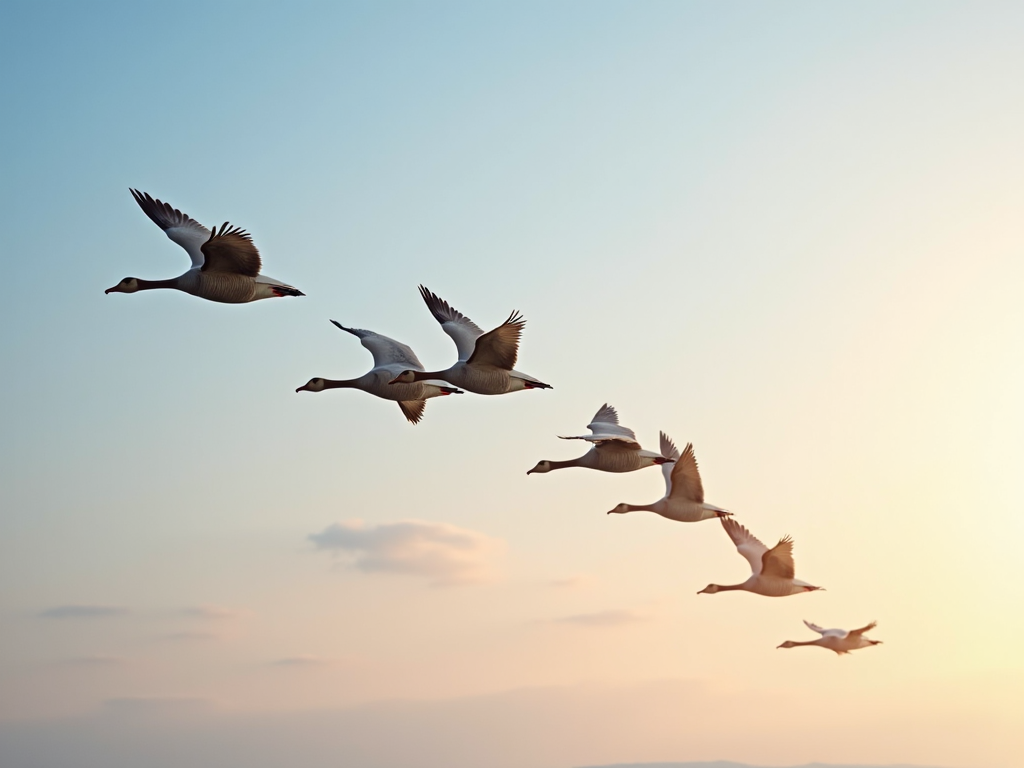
(788, 232)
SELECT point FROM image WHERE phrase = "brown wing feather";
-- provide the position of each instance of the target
(686, 477)
(777, 562)
(499, 347)
(413, 409)
(862, 630)
(231, 250)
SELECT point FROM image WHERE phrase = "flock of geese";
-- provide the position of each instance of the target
(226, 268)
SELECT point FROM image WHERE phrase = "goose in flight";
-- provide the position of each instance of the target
(225, 264)
(389, 357)
(486, 360)
(772, 569)
(615, 448)
(839, 640)
(684, 495)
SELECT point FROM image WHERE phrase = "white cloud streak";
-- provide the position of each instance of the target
(445, 554)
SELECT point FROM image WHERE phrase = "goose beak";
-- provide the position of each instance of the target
(109, 290)
(394, 380)
(303, 388)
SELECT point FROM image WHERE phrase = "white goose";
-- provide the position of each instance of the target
(389, 357)
(772, 569)
(839, 640)
(486, 360)
(615, 448)
(225, 264)
(684, 494)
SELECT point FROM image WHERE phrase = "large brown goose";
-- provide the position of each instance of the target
(225, 264)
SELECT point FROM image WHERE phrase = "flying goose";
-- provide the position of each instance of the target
(772, 569)
(615, 448)
(225, 264)
(684, 495)
(839, 640)
(389, 357)
(486, 360)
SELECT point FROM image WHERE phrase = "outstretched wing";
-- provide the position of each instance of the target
(413, 409)
(815, 627)
(778, 561)
(179, 227)
(385, 351)
(862, 630)
(499, 347)
(606, 423)
(669, 451)
(686, 478)
(746, 543)
(231, 251)
(460, 328)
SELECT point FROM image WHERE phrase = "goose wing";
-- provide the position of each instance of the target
(686, 478)
(669, 451)
(231, 251)
(499, 347)
(604, 427)
(179, 227)
(413, 409)
(777, 562)
(815, 627)
(461, 329)
(746, 543)
(862, 630)
(385, 351)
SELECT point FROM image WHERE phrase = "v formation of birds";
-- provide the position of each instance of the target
(226, 267)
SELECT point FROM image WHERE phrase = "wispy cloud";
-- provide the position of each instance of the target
(302, 660)
(84, 612)
(94, 660)
(570, 582)
(157, 705)
(212, 612)
(188, 637)
(443, 553)
(613, 618)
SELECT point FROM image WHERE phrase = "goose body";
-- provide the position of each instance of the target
(839, 640)
(772, 570)
(389, 358)
(486, 363)
(684, 494)
(225, 264)
(615, 448)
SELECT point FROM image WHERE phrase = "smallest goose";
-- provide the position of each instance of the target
(839, 640)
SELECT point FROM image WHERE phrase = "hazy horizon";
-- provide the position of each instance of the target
(788, 233)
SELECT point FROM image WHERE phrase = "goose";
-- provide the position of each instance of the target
(839, 640)
(772, 569)
(684, 495)
(486, 360)
(225, 264)
(389, 357)
(615, 448)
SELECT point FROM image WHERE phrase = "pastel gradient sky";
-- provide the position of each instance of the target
(789, 233)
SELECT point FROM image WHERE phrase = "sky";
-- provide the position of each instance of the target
(789, 233)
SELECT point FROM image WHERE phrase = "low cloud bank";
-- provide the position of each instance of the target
(444, 554)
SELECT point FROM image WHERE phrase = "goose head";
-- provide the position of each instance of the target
(405, 377)
(128, 285)
(787, 644)
(313, 385)
(710, 589)
(620, 509)
(542, 466)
